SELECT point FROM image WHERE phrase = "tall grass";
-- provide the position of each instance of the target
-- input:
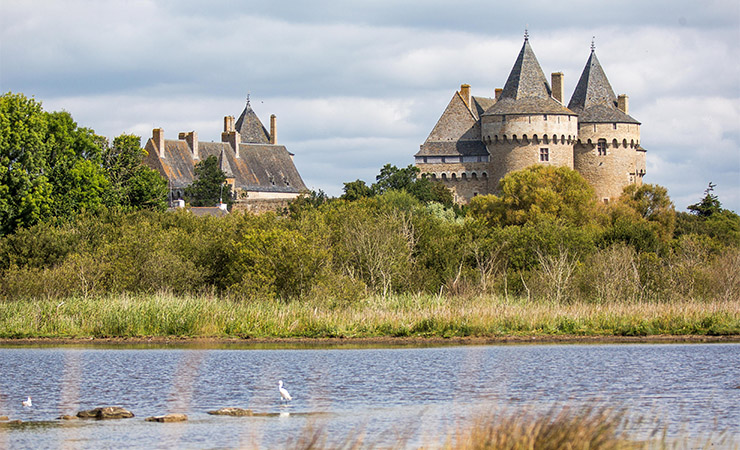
(391, 316)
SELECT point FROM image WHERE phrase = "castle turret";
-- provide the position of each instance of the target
(527, 125)
(608, 152)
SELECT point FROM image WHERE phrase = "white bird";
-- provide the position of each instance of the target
(28, 402)
(284, 394)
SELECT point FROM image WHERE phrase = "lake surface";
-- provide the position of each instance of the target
(416, 394)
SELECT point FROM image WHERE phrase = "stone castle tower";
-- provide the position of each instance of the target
(478, 140)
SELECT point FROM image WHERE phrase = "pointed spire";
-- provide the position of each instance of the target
(250, 128)
(526, 78)
(593, 98)
(593, 87)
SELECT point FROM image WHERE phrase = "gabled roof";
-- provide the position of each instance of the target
(260, 167)
(457, 132)
(456, 122)
(594, 99)
(250, 128)
(526, 90)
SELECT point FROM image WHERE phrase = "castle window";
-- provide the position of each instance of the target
(615, 125)
(545, 117)
(544, 154)
(601, 146)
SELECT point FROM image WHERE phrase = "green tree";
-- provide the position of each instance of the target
(25, 189)
(708, 205)
(538, 193)
(652, 203)
(133, 185)
(391, 178)
(355, 190)
(210, 184)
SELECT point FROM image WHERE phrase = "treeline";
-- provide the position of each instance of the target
(544, 238)
(53, 170)
(80, 216)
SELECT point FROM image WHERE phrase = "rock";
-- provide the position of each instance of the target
(108, 412)
(232, 412)
(168, 418)
(3, 418)
(67, 417)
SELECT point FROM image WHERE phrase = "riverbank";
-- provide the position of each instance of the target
(218, 342)
(394, 319)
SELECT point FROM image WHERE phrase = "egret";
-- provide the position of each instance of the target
(284, 394)
(28, 403)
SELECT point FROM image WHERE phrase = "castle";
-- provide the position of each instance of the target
(261, 173)
(478, 140)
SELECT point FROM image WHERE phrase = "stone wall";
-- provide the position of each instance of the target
(260, 206)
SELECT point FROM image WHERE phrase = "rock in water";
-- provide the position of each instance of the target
(108, 412)
(168, 418)
(231, 412)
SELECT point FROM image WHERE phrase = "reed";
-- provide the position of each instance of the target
(392, 316)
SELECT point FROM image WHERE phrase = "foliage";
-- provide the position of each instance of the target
(651, 202)
(209, 187)
(709, 205)
(133, 185)
(356, 190)
(537, 193)
(25, 188)
(51, 169)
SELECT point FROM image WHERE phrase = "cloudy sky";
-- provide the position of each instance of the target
(357, 84)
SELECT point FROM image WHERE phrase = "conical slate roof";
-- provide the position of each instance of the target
(594, 98)
(526, 90)
(250, 128)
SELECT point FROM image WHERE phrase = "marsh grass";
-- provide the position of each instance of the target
(569, 428)
(391, 316)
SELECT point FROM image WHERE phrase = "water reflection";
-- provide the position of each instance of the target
(381, 391)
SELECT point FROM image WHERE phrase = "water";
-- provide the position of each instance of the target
(416, 394)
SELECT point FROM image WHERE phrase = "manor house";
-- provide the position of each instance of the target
(261, 173)
(478, 140)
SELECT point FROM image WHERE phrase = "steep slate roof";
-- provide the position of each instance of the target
(250, 128)
(594, 99)
(457, 132)
(260, 167)
(526, 90)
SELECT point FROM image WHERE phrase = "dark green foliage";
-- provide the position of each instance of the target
(209, 187)
(355, 190)
(709, 205)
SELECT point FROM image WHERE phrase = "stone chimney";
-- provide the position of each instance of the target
(231, 136)
(191, 138)
(158, 140)
(623, 103)
(498, 92)
(228, 124)
(273, 129)
(465, 93)
(557, 86)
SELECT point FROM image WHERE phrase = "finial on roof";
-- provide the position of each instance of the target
(526, 35)
(247, 98)
(593, 44)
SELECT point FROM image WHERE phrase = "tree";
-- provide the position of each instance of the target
(355, 190)
(652, 203)
(209, 186)
(708, 205)
(133, 185)
(25, 189)
(538, 193)
(391, 178)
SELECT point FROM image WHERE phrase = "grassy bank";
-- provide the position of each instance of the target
(398, 316)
